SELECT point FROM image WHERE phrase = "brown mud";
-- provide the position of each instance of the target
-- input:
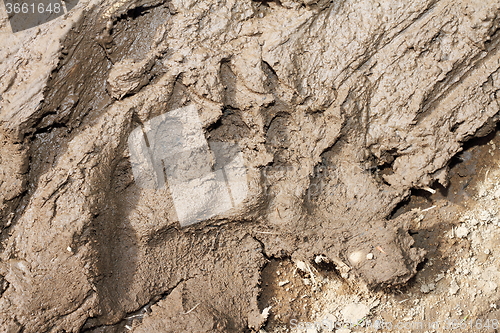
(337, 127)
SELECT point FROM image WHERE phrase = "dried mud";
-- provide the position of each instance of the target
(341, 110)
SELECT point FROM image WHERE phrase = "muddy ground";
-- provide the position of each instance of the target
(455, 288)
(238, 166)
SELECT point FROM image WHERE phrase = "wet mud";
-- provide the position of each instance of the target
(342, 131)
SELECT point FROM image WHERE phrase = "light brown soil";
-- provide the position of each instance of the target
(426, 298)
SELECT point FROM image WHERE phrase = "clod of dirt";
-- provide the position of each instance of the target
(339, 110)
(128, 77)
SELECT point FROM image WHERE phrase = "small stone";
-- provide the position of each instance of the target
(461, 232)
(487, 251)
(454, 288)
(355, 257)
(425, 289)
(439, 277)
(321, 258)
(282, 283)
(265, 312)
(484, 216)
(301, 265)
(369, 256)
(474, 222)
(354, 312)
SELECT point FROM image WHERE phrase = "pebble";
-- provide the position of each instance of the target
(454, 287)
(265, 312)
(426, 288)
(439, 277)
(474, 222)
(301, 265)
(484, 216)
(369, 256)
(355, 257)
(461, 232)
(282, 283)
(354, 312)
(321, 258)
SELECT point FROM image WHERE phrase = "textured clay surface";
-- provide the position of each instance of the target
(339, 108)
